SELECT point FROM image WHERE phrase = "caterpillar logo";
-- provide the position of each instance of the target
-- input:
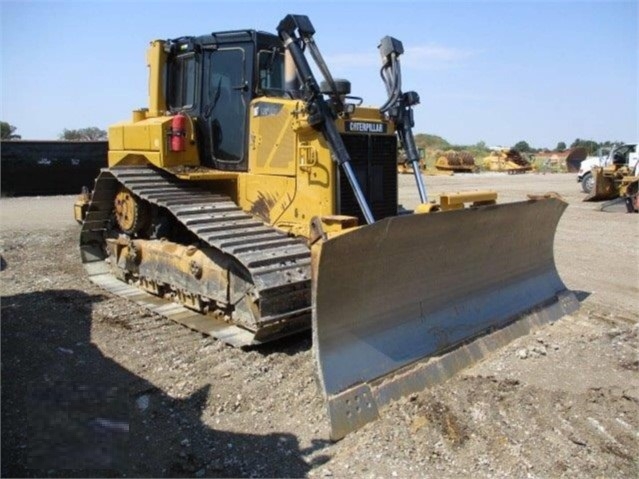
(365, 127)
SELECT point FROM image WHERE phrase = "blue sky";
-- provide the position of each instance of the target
(497, 72)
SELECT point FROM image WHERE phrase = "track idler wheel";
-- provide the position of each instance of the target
(131, 213)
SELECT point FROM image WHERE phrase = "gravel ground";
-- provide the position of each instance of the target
(93, 385)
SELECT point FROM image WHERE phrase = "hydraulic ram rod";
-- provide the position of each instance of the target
(317, 105)
(399, 106)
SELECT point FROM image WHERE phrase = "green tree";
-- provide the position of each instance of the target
(610, 144)
(427, 141)
(91, 133)
(590, 145)
(522, 147)
(561, 146)
(481, 145)
(8, 131)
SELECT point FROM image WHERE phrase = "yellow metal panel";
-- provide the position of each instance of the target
(272, 148)
(267, 196)
(116, 136)
(202, 174)
(291, 175)
(156, 61)
(424, 208)
(367, 114)
(149, 138)
(290, 202)
(468, 196)
(138, 137)
(315, 183)
(128, 158)
(451, 201)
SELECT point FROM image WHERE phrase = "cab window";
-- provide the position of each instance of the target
(271, 72)
(183, 83)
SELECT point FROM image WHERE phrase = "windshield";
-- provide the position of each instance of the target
(620, 155)
(271, 72)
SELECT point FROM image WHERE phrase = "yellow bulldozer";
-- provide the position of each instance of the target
(250, 201)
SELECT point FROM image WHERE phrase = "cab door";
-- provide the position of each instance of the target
(225, 100)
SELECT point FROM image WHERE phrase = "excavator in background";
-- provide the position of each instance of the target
(250, 201)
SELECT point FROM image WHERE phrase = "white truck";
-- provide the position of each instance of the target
(624, 154)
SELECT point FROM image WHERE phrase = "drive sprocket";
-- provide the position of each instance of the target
(131, 212)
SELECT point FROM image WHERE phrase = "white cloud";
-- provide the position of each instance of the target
(424, 57)
(436, 53)
(353, 60)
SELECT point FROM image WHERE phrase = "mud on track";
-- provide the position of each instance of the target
(95, 386)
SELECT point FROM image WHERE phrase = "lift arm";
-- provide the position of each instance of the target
(321, 114)
(399, 106)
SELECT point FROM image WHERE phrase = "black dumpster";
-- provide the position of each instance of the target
(50, 167)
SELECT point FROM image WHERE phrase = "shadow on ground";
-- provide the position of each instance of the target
(70, 411)
(581, 295)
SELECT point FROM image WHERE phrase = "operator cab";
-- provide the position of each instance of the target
(213, 78)
(621, 155)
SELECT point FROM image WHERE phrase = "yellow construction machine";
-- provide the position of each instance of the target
(613, 176)
(249, 202)
(405, 166)
(457, 161)
(508, 160)
(612, 182)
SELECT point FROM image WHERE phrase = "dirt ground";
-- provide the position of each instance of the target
(93, 385)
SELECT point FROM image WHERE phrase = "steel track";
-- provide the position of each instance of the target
(278, 264)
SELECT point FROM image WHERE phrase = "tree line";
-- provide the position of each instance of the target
(423, 140)
(435, 142)
(590, 146)
(91, 133)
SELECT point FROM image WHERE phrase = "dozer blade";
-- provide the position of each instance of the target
(408, 301)
(604, 187)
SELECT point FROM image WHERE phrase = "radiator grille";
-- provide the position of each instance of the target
(374, 160)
